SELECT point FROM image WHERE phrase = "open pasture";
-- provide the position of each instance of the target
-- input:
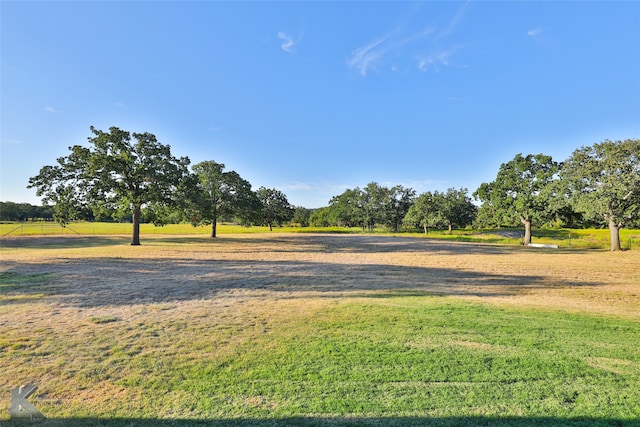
(316, 329)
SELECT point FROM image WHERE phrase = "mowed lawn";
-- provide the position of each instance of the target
(318, 329)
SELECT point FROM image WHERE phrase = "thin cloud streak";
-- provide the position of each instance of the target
(375, 54)
(454, 22)
(366, 57)
(535, 32)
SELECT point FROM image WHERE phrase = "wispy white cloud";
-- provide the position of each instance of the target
(50, 109)
(453, 24)
(428, 46)
(367, 57)
(289, 43)
(535, 32)
(434, 60)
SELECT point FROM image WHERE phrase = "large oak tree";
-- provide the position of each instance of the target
(603, 182)
(119, 170)
(520, 190)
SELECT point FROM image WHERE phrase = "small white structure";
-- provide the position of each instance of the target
(541, 245)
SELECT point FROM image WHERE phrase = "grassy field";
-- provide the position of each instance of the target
(304, 329)
(564, 238)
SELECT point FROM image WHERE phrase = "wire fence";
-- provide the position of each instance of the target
(50, 229)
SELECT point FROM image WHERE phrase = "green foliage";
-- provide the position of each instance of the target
(322, 217)
(426, 212)
(120, 171)
(301, 216)
(218, 194)
(346, 209)
(441, 210)
(131, 177)
(276, 209)
(10, 211)
(603, 182)
(374, 205)
(521, 191)
(458, 209)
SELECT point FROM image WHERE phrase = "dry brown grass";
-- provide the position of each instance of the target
(106, 275)
(242, 285)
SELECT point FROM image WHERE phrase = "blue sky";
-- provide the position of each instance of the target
(312, 98)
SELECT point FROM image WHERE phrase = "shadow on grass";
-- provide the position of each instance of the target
(318, 422)
(62, 242)
(100, 281)
(94, 282)
(285, 242)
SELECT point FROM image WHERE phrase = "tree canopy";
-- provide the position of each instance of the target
(119, 170)
(520, 190)
(275, 209)
(375, 204)
(220, 194)
(426, 211)
(133, 177)
(603, 182)
(436, 209)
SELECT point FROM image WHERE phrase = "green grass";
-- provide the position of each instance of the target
(98, 320)
(10, 281)
(378, 358)
(427, 357)
(564, 238)
(400, 360)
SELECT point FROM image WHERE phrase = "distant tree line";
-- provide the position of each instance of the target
(10, 211)
(397, 208)
(126, 176)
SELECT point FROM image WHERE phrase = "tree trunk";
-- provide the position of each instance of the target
(270, 226)
(426, 229)
(214, 223)
(614, 231)
(135, 237)
(527, 231)
(450, 228)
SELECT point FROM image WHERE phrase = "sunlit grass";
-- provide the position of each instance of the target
(387, 357)
(562, 349)
(564, 238)
(112, 228)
